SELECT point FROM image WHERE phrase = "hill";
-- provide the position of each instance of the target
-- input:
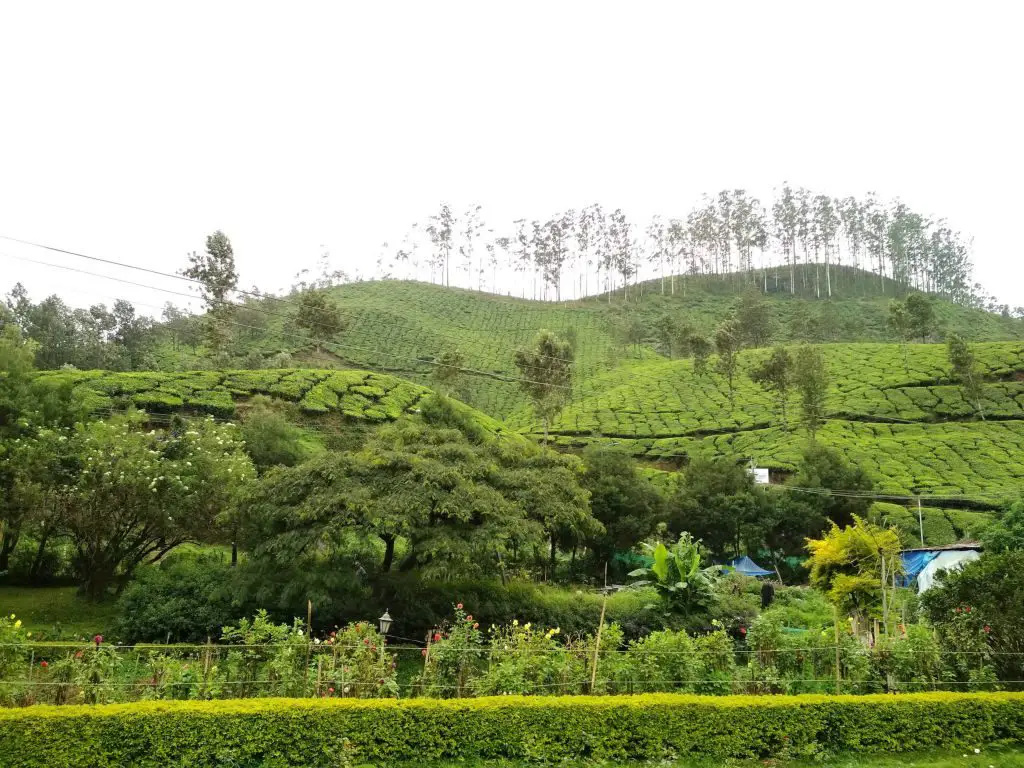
(399, 326)
(892, 408)
(330, 402)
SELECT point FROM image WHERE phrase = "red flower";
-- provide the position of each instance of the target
(458, 607)
(987, 629)
(437, 636)
(967, 608)
(366, 641)
(98, 639)
(44, 664)
(469, 617)
(743, 631)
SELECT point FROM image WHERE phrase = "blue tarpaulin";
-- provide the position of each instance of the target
(915, 562)
(748, 567)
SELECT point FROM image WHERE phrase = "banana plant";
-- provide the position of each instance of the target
(677, 576)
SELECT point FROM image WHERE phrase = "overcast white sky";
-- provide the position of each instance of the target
(131, 130)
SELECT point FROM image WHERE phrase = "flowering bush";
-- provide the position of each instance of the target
(453, 656)
(352, 662)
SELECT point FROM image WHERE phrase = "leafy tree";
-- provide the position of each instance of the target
(215, 271)
(1007, 533)
(440, 229)
(754, 319)
(132, 333)
(129, 496)
(700, 350)
(448, 373)
(718, 503)
(676, 574)
(775, 375)
(825, 469)
(672, 334)
(728, 343)
(810, 378)
(855, 566)
(319, 316)
(986, 598)
(546, 370)
(449, 500)
(626, 503)
(966, 370)
(899, 325)
(271, 440)
(921, 316)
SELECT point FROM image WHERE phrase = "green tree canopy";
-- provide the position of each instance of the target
(546, 371)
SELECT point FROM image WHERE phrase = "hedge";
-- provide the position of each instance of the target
(293, 732)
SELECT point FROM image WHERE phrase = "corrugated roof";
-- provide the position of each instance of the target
(960, 545)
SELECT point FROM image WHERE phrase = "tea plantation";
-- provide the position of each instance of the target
(892, 408)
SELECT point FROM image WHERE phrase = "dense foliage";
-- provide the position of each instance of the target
(655, 726)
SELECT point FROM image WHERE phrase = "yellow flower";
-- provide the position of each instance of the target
(28, 634)
(526, 625)
(515, 622)
(17, 624)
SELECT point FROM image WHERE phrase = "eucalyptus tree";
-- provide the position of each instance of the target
(540, 247)
(786, 220)
(441, 230)
(851, 214)
(585, 237)
(749, 227)
(680, 250)
(876, 218)
(620, 231)
(657, 240)
(467, 249)
(825, 227)
(524, 254)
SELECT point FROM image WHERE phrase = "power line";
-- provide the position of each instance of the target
(310, 339)
(173, 276)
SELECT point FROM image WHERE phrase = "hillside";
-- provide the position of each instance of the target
(892, 409)
(330, 402)
(397, 326)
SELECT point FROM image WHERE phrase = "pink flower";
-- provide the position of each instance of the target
(98, 639)
(476, 625)
(986, 629)
(458, 607)
(78, 655)
(743, 631)
(366, 641)
(967, 608)
(424, 653)
(437, 636)
(469, 617)
(957, 610)
(330, 690)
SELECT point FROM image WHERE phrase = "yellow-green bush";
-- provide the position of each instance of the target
(286, 732)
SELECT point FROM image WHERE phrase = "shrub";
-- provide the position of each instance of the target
(654, 726)
(184, 599)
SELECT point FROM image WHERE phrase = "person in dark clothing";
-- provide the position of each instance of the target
(767, 594)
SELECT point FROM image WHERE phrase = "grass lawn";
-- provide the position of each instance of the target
(998, 758)
(56, 613)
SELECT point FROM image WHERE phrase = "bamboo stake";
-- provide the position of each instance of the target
(597, 641)
(839, 675)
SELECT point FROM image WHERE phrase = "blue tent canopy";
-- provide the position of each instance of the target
(915, 562)
(748, 567)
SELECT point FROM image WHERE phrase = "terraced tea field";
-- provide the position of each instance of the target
(898, 416)
(349, 395)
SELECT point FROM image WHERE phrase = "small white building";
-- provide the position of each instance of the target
(924, 563)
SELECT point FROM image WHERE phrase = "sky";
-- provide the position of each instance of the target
(132, 130)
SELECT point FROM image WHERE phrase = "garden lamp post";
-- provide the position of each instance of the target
(384, 624)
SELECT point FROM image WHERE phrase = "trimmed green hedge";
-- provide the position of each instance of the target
(288, 732)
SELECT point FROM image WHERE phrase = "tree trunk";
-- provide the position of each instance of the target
(554, 555)
(389, 554)
(234, 554)
(37, 562)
